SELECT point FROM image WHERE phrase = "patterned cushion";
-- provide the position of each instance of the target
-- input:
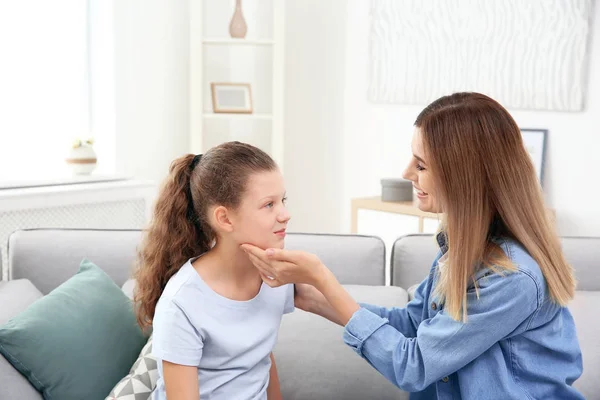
(141, 380)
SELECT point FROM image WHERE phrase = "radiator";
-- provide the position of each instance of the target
(122, 204)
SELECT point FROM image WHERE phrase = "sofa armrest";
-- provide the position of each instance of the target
(15, 297)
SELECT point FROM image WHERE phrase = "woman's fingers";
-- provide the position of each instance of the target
(250, 249)
(260, 264)
(292, 256)
(265, 273)
(269, 281)
(273, 254)
(285, 266)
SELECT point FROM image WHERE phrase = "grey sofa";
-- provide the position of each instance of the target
(313, 362)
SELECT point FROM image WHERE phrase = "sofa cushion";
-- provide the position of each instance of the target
(15, 296)
(583, 308)
(113, 250)
(141, 380)
(314, 363)
(78, 341)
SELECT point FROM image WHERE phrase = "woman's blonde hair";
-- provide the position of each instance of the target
(488, 187)
(179, 229)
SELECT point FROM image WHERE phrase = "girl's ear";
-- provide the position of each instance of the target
(222, 219)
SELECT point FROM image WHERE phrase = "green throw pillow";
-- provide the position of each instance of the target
(78, 341)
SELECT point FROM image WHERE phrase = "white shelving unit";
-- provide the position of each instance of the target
(238, 42)
(258, 59)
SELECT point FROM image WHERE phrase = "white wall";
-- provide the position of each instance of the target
(152, 85)
(377, 137)
(102, 83)
(337, 144)
(314, 112)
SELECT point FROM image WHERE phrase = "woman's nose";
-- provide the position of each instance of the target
(409, 174)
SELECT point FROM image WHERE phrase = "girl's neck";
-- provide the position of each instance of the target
(227, 262)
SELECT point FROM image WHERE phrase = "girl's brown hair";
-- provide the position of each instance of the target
(488, 187)
(179, 229)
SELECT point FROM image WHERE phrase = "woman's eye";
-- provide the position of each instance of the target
(420, 167)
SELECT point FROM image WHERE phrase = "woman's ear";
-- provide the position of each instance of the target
(222, 219)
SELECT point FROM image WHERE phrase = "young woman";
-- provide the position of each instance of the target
(490, 320)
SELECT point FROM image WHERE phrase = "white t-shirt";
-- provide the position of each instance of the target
(229, 341)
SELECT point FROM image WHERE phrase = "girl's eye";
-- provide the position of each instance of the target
(269, 205)
(284, 200)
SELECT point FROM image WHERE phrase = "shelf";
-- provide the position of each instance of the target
(236, 116)
(242, 42)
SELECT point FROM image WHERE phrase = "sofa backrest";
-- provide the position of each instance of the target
(583, 253)
(412, 256)
(411, 259)
(354, 259)
(48, 257)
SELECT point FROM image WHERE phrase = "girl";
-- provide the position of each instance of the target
(214, 321)
(490, 321)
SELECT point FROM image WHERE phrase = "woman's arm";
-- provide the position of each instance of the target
(181, 381)
(442, 345)
(330, 300)
(501, 306)
(406, 319)
(273, 391)
(340, 300)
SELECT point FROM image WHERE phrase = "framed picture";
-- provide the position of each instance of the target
(231, 98)
(535, 144)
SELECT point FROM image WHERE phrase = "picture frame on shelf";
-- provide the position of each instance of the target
(535, 144)
(231, 97)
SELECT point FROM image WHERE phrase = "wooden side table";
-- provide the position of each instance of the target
(376, 204)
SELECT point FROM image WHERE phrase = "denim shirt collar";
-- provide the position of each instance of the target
(442, 241)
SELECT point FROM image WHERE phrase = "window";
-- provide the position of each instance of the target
(44, 86)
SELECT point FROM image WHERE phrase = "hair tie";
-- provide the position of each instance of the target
(195, 161)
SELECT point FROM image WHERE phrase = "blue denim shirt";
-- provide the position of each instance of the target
(516, 343)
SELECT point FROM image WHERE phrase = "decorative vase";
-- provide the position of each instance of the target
(237, 26)
(82, 159)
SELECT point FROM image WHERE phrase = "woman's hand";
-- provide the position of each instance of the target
(279, 267)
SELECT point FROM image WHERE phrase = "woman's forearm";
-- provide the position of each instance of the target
(326, 310)
(341, 306)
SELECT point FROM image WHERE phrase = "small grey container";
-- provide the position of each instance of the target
(393, 189)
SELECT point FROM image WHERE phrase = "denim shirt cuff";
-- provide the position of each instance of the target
(372, 308)
(360, 327)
